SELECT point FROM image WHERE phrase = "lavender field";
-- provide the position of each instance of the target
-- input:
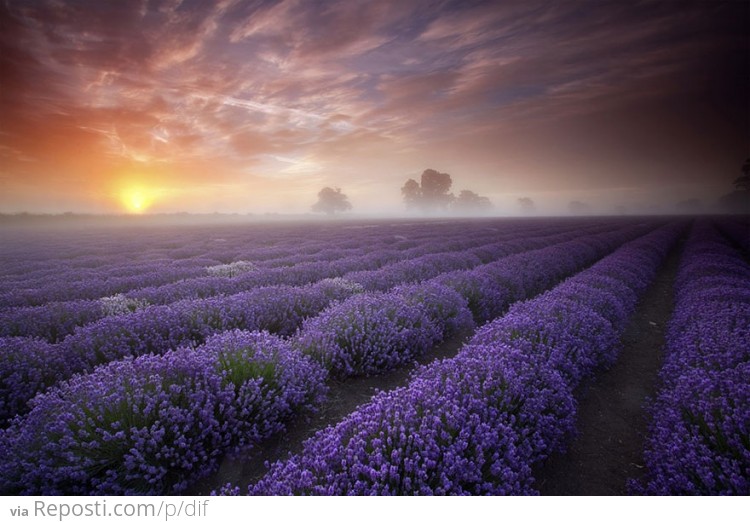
(178, 359)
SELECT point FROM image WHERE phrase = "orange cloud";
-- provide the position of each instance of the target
(240, 106)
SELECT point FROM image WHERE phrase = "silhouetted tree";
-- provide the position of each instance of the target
(471, 202)
(331, 201)
(431, 193)
(743, 182)
(412, 193)
(435, 187)
(738, 201)
(526, 204)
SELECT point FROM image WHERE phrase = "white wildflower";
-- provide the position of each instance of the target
(231, 269)
(118, 304)
(345, 284)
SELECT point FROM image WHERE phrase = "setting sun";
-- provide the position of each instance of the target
(136, 200)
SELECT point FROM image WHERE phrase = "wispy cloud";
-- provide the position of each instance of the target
(517, 95)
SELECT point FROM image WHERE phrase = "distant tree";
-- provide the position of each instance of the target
(471, 202)
(435, 187)
(331, 200)
(578, 207)
(412, 193)
(526, 204)
(738, 201)
(743, 182)
(431, 193)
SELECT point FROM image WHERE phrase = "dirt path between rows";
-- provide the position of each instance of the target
(612, 422)
(343, 398)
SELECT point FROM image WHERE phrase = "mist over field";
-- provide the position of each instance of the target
(582, 107)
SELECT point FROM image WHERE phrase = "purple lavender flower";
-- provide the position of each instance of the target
(698, 439)
(368, 333)
(156, 423)
(477, 423)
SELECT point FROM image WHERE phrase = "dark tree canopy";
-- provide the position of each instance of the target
(526, 204)
(331, 200)
(738, 201)
(431, 194)
(435, 186)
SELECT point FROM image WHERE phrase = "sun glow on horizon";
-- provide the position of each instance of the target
(137, 199)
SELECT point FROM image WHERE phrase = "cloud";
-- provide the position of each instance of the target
(364, 92)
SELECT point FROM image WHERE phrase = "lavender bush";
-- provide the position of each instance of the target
(477, 423)
(445, 307)
(281, 310)
(699, 441)
(459, 428)
(28, 365)
(153, 424)
(57, 319)
(368, 333)
(373, 332)
(186, 405)
(53, 321)
(157, 330)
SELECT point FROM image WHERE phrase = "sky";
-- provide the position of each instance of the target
(253, 107)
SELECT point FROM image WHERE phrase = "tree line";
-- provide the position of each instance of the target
(431, 194)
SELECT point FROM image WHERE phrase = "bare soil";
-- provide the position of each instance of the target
(611, 419)
(612, 422)
(343, 398)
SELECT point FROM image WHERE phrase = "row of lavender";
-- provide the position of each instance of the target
(249, 246)
(375, 332)
(119, 253)
(312, 271)
(28, 366)
(78, 251)
(479, 422)
(107, 278)
(55, 320)
(699, 439)
(155, 423)
(148, 425)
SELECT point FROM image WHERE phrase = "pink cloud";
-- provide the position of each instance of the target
(221, 89)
